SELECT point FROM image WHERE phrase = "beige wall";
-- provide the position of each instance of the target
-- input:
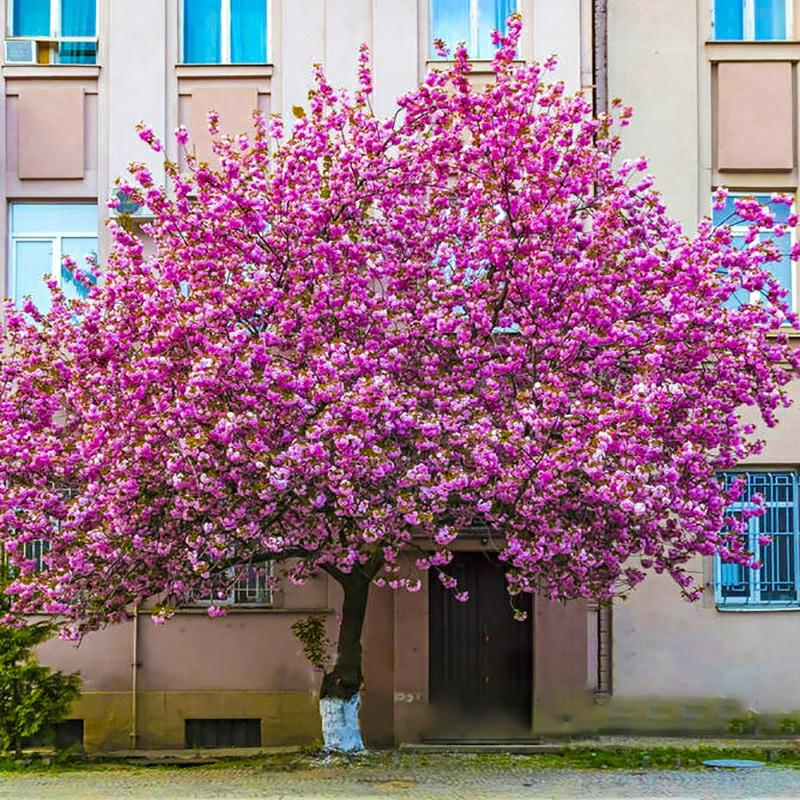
(669, 650)
(706, 113)
(653, 66)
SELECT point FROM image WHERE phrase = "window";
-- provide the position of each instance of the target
(35, 551)
(251, 589)
(225, 31)
(471, 22)
(42, 234)
(222, 733)
(782, 270)
(65, 30)
(760, 20)
(776, 583)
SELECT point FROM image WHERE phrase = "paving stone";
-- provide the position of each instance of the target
(420, 781)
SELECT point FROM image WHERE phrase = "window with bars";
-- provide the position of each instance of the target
(777, 582)
(470, 22)
(749, 20)
(36, 551)
(253, 587)
(783, 270)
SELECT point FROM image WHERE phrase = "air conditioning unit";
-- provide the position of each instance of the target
(127, 207)
(20, 51)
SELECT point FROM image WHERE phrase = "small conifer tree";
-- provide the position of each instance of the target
(33, 698)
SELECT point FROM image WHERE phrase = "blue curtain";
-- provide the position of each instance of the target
(248, 31)
(770, 19)
(449, 22)
(492, 15)
(78, 18)
(729, 19)
(202, 27)
(31, 18)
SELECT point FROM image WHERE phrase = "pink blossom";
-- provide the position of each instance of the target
(348, 346)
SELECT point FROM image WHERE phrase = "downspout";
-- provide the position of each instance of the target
(604, 615)
(135, 680)
(600, 53)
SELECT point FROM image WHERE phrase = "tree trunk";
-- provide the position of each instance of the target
(340, 692)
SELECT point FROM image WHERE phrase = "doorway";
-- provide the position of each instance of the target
(480, 657)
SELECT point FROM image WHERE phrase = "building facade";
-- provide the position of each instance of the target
(714, 87)
(77, 76)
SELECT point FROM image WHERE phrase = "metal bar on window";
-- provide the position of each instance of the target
(777, 583)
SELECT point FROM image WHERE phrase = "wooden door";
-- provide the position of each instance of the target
(480, 657)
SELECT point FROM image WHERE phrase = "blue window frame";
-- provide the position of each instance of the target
(66, 30)
(783, 269)
(777, 582)
(225, 31)
(746, 20)
(470, 22)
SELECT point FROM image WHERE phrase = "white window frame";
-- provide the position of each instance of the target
(243, 585)
(225, 34)
(56, 238)
(742, 229)
(474, 25)
(55, 36)
(749, 32)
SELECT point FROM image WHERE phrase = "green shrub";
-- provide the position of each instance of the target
(33, 698)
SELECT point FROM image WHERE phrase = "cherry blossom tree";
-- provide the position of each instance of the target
(346, 343)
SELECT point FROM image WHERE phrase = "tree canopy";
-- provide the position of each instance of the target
(362, 336)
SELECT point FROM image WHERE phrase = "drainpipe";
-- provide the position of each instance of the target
(135, 680)
(604, 614)
(600, 42)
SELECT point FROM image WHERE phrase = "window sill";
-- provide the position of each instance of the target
(745, 609)
(51, 70)
(752, 41)
(752, 50)
(244, 609)
(483, 66)
(223, 70)
(791, 333)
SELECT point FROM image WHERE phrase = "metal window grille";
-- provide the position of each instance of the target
(777, 583)
(222, 732)
(36, 551)
(253, 587)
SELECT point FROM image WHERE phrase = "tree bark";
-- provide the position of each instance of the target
(340, 690)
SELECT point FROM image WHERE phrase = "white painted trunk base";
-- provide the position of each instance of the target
(340, 730)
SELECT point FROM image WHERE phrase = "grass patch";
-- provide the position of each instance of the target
(636, 758)
(397, 762)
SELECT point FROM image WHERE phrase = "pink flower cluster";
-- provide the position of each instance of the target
(369, 334)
